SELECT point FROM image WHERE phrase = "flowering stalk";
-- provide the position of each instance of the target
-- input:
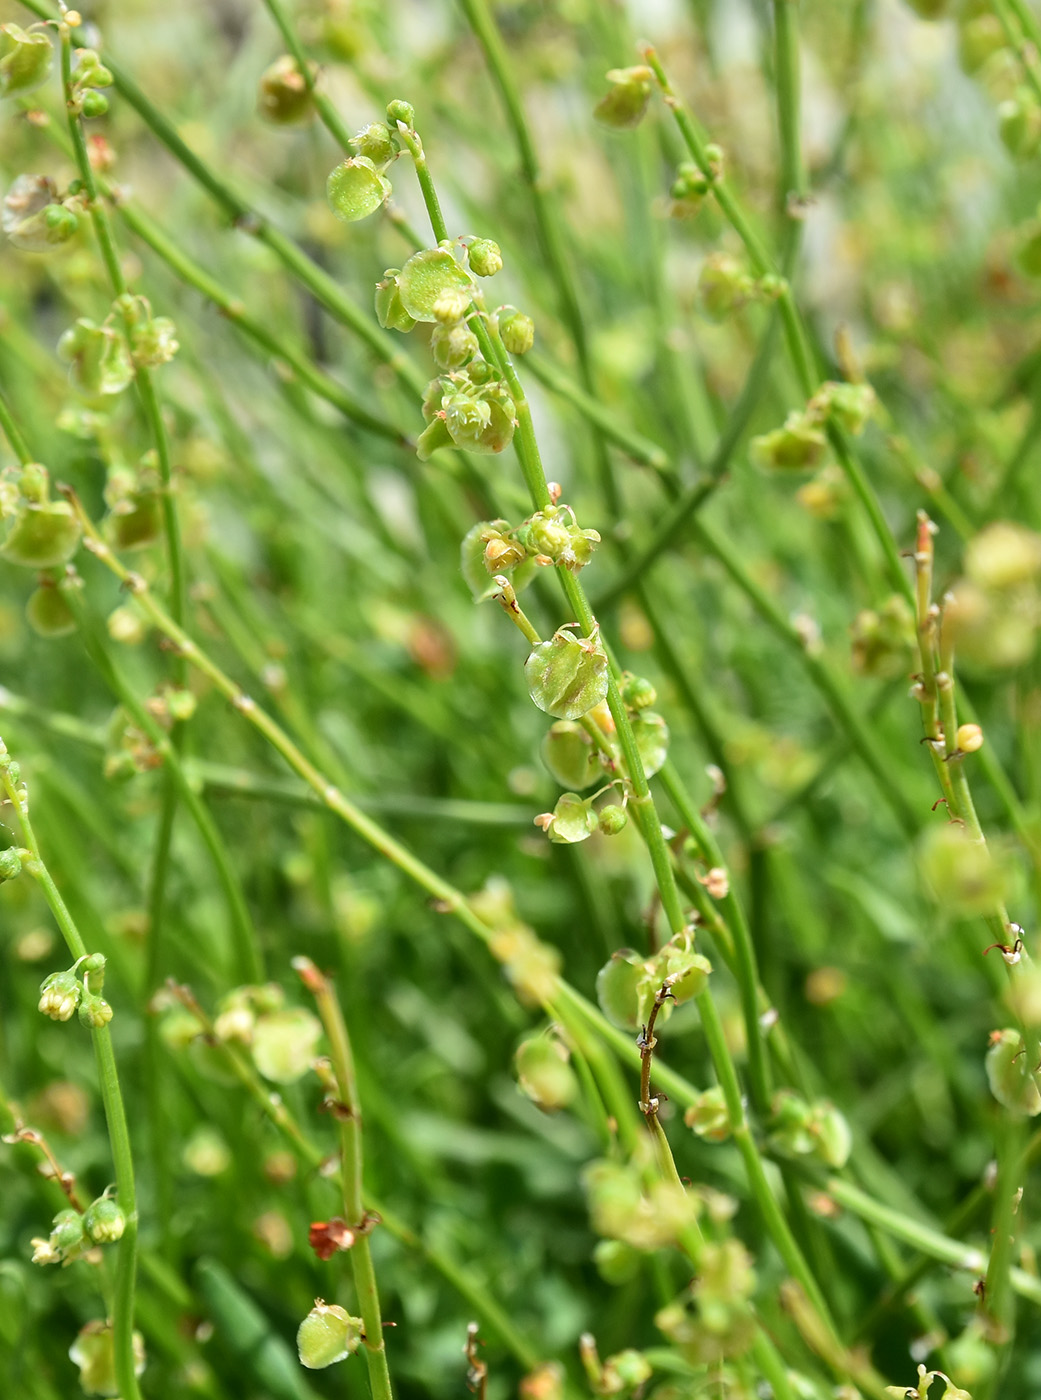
(111, 1095)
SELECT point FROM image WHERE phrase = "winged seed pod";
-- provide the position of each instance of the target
(33, 217)
(427, 277)
(567, 676)
(327, 1334)
(625, 102)
(283, 96)
(25, 58)
(356, 189)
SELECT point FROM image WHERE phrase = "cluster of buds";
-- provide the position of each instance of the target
(692, 184)
(73, 1235)
(282, 1040)
(801, 1129)
(800, 443)
(646, 1217)
(36, 218)
(531, 966)
(713, 1319)
(469, 408)
(284, 93)
(359, 185)
(77, 989)
(620, 1374)
(628, 985)
(88, 76)
(725, 285)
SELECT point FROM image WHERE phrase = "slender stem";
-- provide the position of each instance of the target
(11, 431)
(786, 79)
(111, 1096)
(349, 1116)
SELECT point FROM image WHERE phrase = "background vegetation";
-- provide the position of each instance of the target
(763, 585)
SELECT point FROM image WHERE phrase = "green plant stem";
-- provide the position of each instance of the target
(349, 1115)
(786, 80)
(249, 960)
(11, 431)
(794, 330)
(111, 1096)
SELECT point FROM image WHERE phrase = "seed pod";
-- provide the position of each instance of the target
(103, 1221)
(42, 536)
(283, 97)
(569, 754)
(833, 1139)
(399, 111)
(652, 740)
(544, 1074)
(67, 1232)
(625, 102)
(482, 421)
(1010, 1076)
(25, 59)
(567, 676)
(154, 342)
(797, 446)
(327, 1334)
(48, 613)
(708, 1115)
(1019, 124)
(686, 970)
(284, 1044)
(724, 286)
(99, 357)
(1003, 555)
(94, 1353)
(356, 189)
(638, 693)
(621, 989)
(426, 277)
(453, 345)
(10, 864)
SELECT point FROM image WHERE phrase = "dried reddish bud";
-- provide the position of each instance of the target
(326, 1237)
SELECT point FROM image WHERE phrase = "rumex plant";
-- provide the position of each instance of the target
(643, 1005)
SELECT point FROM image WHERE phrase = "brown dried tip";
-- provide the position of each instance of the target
(309, 975)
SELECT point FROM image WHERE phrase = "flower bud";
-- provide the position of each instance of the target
(485, 257)
(284, 1044)
(970, 738)
(883, 641)
(356, 189)
(453, 346)
(376, 143)
(652, 740)
(429, 276)
(979, 38)
(797, 446)
(390, 312)
(567, 676)
(283, 97)
(327, 1334)
(10, 864)
(25, 59)
(90, 71)
(833, 1139)
(624, 1371)
(99, 358)
(481, 421)
(451, 306)
(399, 111)
(790, 1124)
(848, 405)
(154, 342)
(612, 819)
(103, 1221)
(616, 1262)
(708, 1115)
(502, 554)
(637, 692)
(94, 1011)
(624, 104)
(93, 104)
(67, 1232)
(516, 330)
(60, 995)
(48, 613)
(571, 820)
(724, 285)
(544, 1074)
